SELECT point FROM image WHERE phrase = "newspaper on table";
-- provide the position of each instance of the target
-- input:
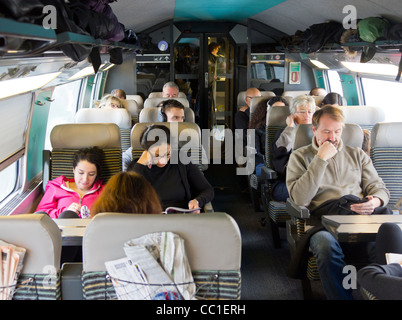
(155, 263)
(10, 268)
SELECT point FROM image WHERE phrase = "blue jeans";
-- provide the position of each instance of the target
(330, 262)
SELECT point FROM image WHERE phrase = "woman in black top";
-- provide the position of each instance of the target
(177, 184)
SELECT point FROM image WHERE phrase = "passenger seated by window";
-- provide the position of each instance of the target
(301, 112)
(258, 123)
(172, 111)
(127, 192)
(380, 279)
(318, 92)
(119, 93)
(110, 101)
(177, 184)
(170, 90)
(332, 98)
(327, 177)
(242, 116)
(73, 198)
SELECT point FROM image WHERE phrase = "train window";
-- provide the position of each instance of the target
(335, 84)
(385, 94)
(8, 180)
(63, 108)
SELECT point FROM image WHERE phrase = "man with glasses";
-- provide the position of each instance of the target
(327, 176)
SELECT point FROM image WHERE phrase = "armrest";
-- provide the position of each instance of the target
(297, 211)
(268, 174)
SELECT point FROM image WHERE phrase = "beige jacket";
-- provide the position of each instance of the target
(311, 181)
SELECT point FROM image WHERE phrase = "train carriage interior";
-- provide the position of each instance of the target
(59, 62)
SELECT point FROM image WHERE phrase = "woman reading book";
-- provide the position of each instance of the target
(177, 184)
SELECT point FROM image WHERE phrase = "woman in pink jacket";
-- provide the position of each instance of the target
(73, 198)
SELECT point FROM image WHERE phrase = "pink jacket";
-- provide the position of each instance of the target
(58, 197)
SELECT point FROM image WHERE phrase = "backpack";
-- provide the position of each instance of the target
(395, 33)
(317, 35)
(370, 30)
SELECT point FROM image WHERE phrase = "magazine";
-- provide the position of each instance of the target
(170, 210)
(11, 258)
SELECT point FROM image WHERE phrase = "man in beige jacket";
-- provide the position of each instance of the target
(320, 174)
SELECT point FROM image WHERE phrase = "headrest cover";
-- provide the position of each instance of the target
(184, 133)
(39, 235)
(132, 107)
(386, 134)
(212, 241)
(155, 115)
(276, 116)
(120, 116)
(352, 135)
(154, 102)
(84, 135)
(363, 115)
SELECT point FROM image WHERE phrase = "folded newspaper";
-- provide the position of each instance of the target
(155, 263)
(180, 210)
(10, 268)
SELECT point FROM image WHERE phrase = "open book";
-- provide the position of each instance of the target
(179, 210)
(11, 258)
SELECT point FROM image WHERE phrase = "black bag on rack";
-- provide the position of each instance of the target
(21, 10)
(65, 23)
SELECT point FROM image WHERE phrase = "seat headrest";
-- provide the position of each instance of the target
(154, 102)
(85, 135)
(386, 134)
(255, 101)
(184, 133)
(318, 100)
(276, 116)
(155, 115)
(241, 98)
(294, 94)
(37, 233)
(303, 136)
(132, 107)
(212, 241)
(363, 115)
(159, 95)
(137, 98)
(268, 94)
(352, 135)
(120, 116)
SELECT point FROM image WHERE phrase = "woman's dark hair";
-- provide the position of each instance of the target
(155, 134)
(93, 155)
(332, 98)
(277, 99)
(259, 115)
(127, 192)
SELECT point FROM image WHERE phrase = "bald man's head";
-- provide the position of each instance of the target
(251, 93)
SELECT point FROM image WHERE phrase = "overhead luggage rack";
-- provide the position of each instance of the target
(18, 39)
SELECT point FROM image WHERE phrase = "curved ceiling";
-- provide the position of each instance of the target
(287, 16)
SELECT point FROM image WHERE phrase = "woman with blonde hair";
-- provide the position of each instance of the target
(110, 101)
(127, 192)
